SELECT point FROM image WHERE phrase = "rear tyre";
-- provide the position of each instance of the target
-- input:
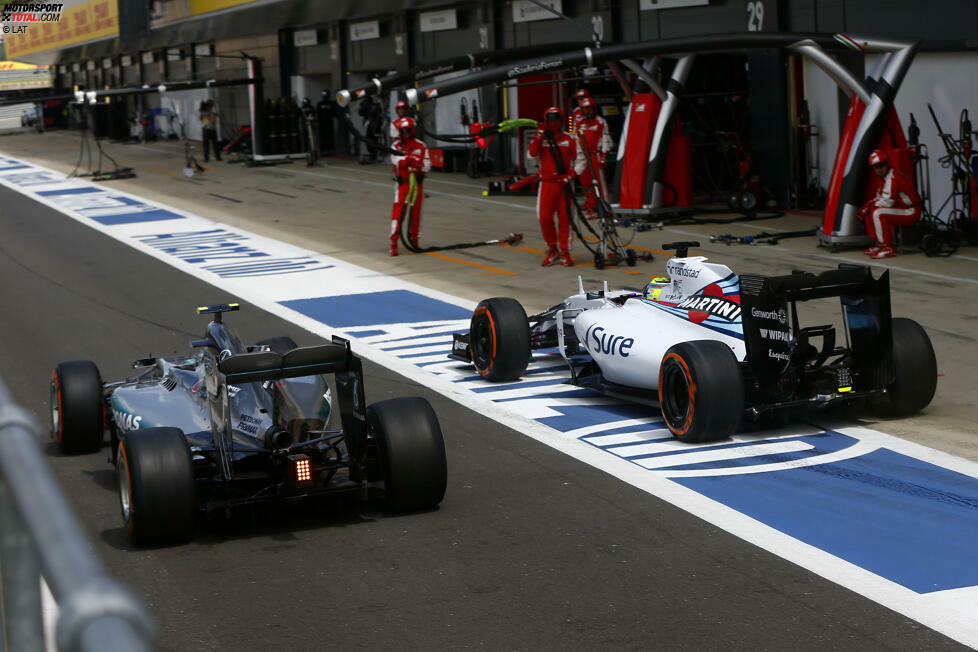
(77, 407)
(499, 337)
(281, 345)
(411, 452)
(156, 486)
(914, 368)
(701, 391)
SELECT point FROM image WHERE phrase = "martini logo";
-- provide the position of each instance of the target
(711, 303)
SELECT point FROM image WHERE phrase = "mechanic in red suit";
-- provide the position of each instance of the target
(410, 157)
(896, 203)
(554, 179)
(594, 143)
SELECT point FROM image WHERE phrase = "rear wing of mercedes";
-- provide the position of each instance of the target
(777, 345)
(267, 366)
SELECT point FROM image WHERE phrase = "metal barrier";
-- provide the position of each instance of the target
(40, 535)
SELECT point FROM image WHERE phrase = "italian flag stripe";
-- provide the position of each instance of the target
(847, 41)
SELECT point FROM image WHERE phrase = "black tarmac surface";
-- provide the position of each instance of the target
(531, 550)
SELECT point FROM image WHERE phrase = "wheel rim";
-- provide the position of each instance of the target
(125, 498)
(675, 396)
(481, 342)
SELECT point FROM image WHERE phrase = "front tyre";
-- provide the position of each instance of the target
(701, 391)
(77, 408)
(499, 338)
(411, 452)
(156, 486)
(914, 370)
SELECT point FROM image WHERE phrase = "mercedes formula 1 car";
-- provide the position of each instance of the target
(712, 349)
(230, 424)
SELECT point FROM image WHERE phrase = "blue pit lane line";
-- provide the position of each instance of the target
(863, 509)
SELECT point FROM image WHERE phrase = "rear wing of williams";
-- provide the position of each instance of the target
(336, 358)
(778, 348)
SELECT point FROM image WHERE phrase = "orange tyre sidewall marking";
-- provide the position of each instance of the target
(692, 390)
(132, 512)
(482, 310)
(59, 433)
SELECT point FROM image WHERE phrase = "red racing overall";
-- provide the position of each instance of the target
(897, 203)
(412, 156)
(551, 197)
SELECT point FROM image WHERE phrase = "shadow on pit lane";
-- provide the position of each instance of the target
(278, 522)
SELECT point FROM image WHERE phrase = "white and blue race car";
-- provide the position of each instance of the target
(712, 349)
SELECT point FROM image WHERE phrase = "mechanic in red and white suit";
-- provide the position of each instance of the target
(554, 184)
(410, 155)
(594, 143)
(896, 203)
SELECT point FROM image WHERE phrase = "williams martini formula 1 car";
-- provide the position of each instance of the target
(712, 349)
(230, 424)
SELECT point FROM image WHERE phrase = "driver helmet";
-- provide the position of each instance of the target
(655, 287)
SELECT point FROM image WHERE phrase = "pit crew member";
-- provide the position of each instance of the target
(409, 158)
(555, 175)
(594, 142)
(896, 203)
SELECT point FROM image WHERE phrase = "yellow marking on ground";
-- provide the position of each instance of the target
(531, 249)
(162, 171)
(494, 270)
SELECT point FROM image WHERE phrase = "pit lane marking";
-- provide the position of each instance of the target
(954, 619)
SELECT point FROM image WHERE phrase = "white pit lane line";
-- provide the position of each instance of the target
(940, 611)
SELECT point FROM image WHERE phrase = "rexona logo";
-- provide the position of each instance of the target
(126, 421)
(597, 340)
(701, 307)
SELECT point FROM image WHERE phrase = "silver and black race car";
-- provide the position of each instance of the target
(712, 349)
(230, 424)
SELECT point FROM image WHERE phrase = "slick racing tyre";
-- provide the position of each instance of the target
(77, 408)
(281, 345)
(156, 486)
(411, 452)
(701, 391)
(914, 370)
(499, 336)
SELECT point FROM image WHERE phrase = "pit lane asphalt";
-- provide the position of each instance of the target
(530, 550)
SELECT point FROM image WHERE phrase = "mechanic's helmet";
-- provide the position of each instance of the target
(405, 126)
(588, 103)
(551, 115)
(878, 157)
(401, 108)
(581, 94)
